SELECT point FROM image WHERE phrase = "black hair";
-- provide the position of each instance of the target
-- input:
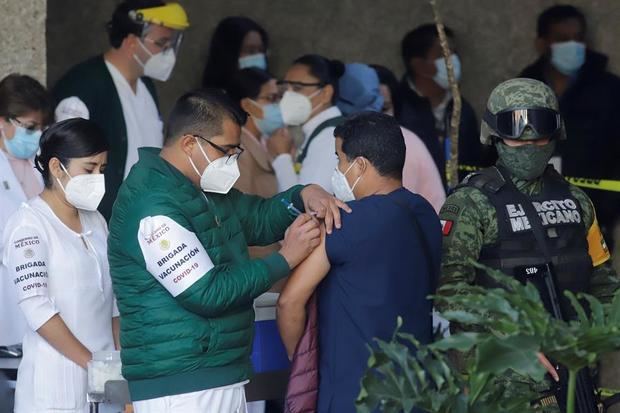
(122, 25)
(558, 14)
(327, 71)
(246, 83)
(419, 41)
(20, 94)
(223, 58)
(66, 140)
(378, 138)
(388, 78)
(202, 112)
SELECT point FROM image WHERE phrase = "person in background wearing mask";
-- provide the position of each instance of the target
(588, 96)
(363, 279)
(179, 259)
(56, 255)
(25, 109)
(258, 95)
(115, 89)
(309, 101)
(494, 216)
(426, 100)
(389, 89)
(361, 91)
(237, 43)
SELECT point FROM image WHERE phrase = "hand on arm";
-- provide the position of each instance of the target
(326, 206)
(291, 310)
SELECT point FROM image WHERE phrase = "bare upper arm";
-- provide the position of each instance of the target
(306, 277)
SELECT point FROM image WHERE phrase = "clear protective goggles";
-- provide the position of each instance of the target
(511, 123)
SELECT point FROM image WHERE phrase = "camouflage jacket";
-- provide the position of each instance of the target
(471, 223)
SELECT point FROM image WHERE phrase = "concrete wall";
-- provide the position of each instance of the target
(495, 37)
(22, 38)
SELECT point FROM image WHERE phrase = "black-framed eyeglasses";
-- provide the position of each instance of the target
(225, 150)
(298, 86)
(511, 123)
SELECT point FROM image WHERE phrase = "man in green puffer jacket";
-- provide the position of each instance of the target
(179, 262)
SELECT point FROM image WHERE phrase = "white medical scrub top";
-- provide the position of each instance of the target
(142, 121)
(54, 270)
(12, 322)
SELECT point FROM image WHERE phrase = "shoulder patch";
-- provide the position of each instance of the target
(446, 227)
(451, 209)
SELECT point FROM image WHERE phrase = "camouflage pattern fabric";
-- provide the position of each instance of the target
(473, 224)
(519, 93)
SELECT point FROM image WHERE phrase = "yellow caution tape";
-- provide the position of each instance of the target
(600, 184)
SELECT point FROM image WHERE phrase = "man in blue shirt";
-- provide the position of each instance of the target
(382, 263)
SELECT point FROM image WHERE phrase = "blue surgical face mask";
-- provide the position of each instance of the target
(272, 118)
(568, 57)
(258, 60)
(441, 77)
(24, 144)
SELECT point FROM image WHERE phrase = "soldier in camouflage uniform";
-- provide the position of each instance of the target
(484, 219)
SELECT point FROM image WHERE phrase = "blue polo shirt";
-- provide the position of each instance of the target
(378, 272)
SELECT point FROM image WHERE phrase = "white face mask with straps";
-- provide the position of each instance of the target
(342, 190)
(220, 175)
(297, 108)
(158, 66)
(84, 191)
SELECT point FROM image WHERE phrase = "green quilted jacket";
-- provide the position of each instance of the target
(202, 338)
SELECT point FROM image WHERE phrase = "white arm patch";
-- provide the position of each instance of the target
(173, 255)
(71, 107)
(26, 259)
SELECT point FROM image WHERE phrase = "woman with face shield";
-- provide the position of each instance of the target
(311, 91)
(25, 109)
(56, 255)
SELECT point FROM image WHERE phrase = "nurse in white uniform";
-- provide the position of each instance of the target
(56, 254)
(25, 108)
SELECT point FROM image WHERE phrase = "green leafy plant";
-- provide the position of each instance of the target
(502, 371)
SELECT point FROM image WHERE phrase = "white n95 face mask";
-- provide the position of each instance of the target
(159, 66)
(342, 190)
(296, 108)
(84, 191)
(220, 175)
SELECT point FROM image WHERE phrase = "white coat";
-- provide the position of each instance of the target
(54, 270)
(12, 321)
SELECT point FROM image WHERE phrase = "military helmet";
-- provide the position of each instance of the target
(524, 109)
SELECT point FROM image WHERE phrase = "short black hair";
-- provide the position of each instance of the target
(66, 140)
(202, 112)
(122, 25)
(388, 78)
(327, 71)
(378, 138)
(20, 94)
(558, 14)
(223, 58)
(246, 83)
(419, 41)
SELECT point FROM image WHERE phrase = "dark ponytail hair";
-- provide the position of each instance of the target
(247, 83)
(66, 140)
(327, 71)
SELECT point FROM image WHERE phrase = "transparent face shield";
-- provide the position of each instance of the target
(162, 41)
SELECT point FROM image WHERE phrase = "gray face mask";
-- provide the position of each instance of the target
(525, 162)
